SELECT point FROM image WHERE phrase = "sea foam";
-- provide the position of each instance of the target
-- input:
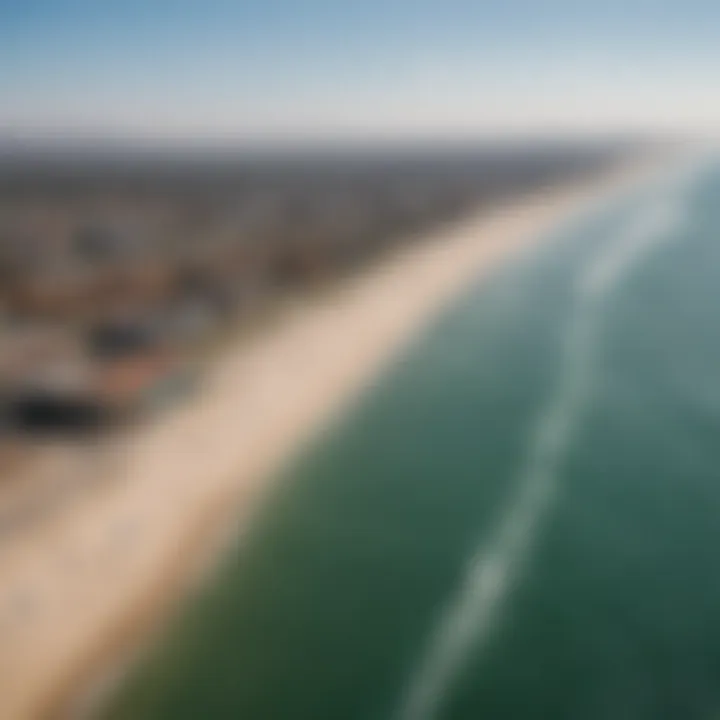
(465, 624)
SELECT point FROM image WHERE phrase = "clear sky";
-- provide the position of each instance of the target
(379, 67)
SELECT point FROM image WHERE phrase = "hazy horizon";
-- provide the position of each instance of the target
(308, 70)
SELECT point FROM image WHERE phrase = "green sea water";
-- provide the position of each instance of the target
(520, 520)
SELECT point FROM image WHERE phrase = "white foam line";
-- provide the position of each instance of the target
(468, 619)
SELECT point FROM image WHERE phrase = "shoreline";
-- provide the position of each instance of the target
(193, 479)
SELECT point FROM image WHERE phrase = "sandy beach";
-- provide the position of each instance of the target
(79, 588)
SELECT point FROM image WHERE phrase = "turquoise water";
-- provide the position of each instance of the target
(522, 520)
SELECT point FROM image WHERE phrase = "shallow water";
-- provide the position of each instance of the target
(520, 521)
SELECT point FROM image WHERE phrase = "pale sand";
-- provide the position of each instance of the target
(80, 587)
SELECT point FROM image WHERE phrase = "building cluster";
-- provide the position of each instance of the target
(114, 275)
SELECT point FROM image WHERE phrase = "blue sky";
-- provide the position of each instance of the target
(378, 67)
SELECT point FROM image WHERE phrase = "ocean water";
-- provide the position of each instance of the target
(521, 520)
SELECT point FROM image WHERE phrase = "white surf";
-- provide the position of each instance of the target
(465, 625)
